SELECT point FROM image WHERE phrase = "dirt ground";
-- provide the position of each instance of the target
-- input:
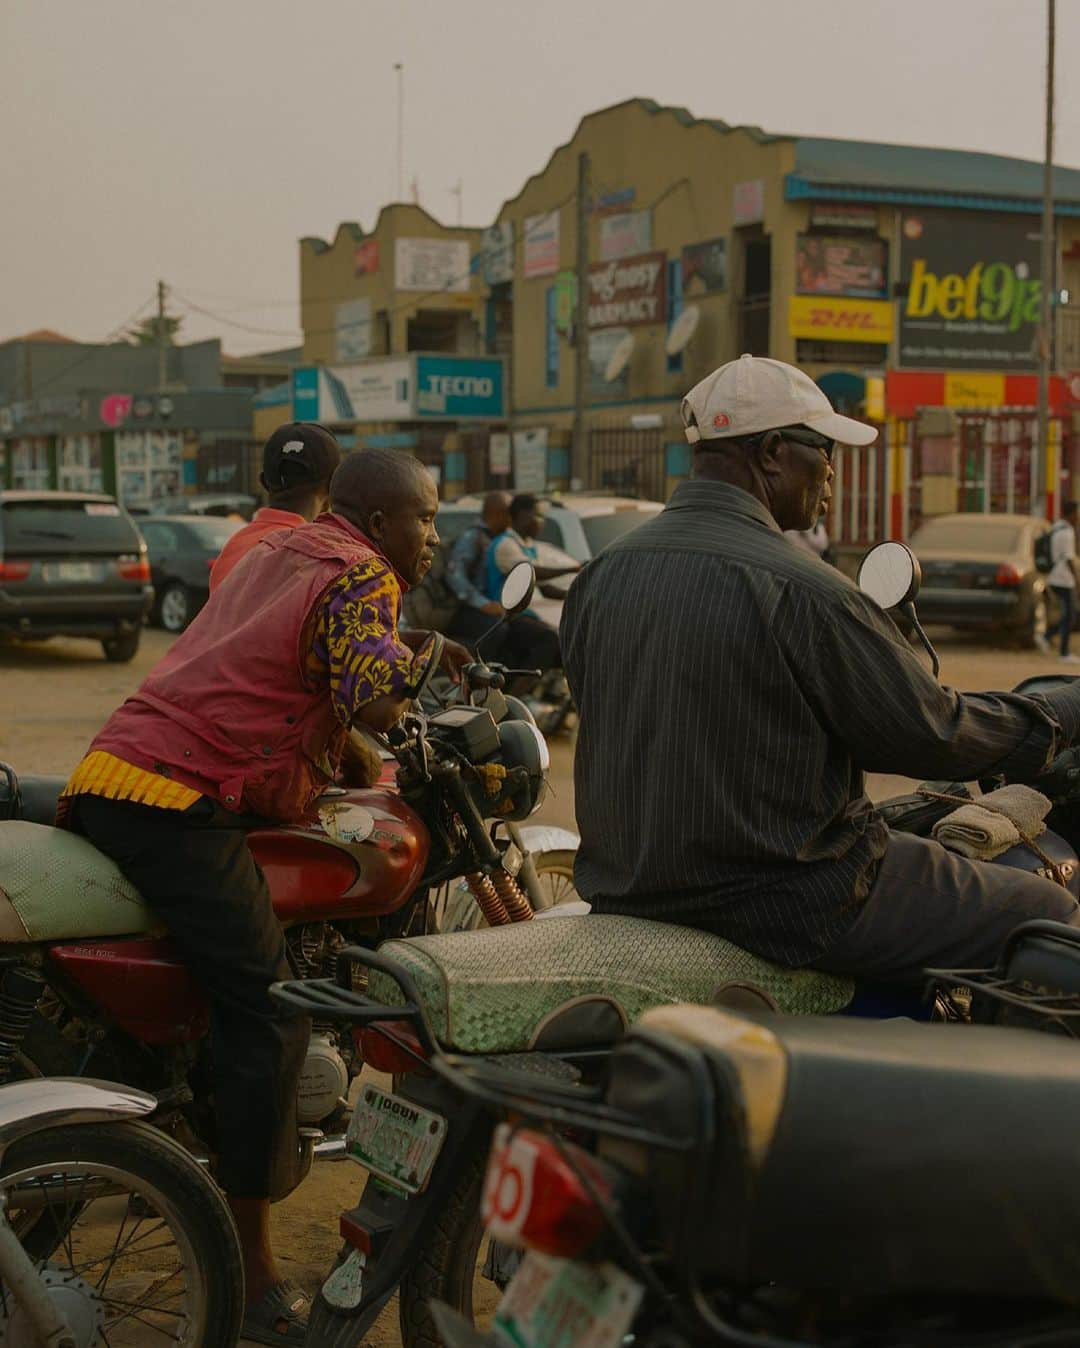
(54, 696)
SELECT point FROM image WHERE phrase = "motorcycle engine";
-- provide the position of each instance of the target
(324, 1081)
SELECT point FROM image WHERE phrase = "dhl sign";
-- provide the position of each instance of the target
(829, 319)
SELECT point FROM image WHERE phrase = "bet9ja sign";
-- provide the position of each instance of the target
(973, 291)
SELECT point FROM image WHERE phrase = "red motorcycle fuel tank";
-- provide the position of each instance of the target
(141, 983)
(356, 854)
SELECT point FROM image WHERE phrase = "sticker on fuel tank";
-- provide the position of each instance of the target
(347, 823)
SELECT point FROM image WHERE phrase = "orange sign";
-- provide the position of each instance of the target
(840, 320)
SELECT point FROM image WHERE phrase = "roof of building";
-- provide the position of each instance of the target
(914, 174)
(42, 335)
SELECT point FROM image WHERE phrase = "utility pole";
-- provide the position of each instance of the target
(400, 68)
(162, 336)
(1048, 273)
(579, 450)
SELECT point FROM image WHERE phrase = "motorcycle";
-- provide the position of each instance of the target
(800, 1182)
(110, 1233)
(88, 984)
(551, 998)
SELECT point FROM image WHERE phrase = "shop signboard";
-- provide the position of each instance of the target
(828, 319)
(540, 245)
(624, 234)
(530, 459)
(829, 265)
(704, 267)
(843, 215)
(499, 456)
(602, 346)
(629, 292)
(459, 387)
(748, 202)
(366, 258)
(972, 291)
(375, 390)
(352, 324)
(432, 264)
(497, 253)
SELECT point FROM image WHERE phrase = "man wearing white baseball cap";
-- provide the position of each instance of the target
(732, 690)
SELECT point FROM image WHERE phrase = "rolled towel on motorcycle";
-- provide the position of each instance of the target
(989, 826)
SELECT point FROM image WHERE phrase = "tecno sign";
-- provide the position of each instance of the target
(458, 387)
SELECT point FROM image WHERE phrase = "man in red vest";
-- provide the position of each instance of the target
(298, 461)
(246, 717)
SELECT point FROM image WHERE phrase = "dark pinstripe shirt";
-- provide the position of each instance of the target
(732, 691)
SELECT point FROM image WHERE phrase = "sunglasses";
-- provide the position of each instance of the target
(803, 435)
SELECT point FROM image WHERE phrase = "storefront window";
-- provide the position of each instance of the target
(148, 466)
(80, 463)
(30, 460)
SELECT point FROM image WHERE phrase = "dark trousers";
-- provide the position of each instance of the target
(522, 642)
(194, 869)
(930, 907)
(1066, 597)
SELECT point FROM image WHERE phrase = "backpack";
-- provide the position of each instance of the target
(1044, 556)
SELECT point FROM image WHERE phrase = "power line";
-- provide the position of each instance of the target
(86, 355)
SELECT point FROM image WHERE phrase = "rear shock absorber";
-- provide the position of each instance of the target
(487, 897)
(20, 989)
(512, 896)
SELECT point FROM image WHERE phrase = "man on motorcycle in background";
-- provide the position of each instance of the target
(466, 571)
(245, 719)
(530, 642)
(732, 692)
(298, 461)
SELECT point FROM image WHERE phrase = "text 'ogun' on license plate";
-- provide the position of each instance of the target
(556, 1303)
(395, 1139)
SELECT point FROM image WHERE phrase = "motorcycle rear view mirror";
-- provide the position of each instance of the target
(890, 575)
(424, 664)
(517, 590)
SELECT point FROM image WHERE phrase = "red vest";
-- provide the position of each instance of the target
(229, 710)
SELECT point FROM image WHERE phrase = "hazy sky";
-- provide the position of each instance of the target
(198, 140)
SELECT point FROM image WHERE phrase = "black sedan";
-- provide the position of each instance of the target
(182, 550)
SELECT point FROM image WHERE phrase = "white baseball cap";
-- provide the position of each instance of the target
(754, 394)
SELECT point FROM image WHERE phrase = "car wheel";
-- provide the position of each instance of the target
(175, 607)
(119, 650)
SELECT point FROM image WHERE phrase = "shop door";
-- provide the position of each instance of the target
(627, 462)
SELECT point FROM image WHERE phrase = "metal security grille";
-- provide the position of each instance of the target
(627, 462)
(859, 513)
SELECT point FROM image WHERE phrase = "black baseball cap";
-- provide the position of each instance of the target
(297, 453)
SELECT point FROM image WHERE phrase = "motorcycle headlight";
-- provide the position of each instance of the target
(521, 745)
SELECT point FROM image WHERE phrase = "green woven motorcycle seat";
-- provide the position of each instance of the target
(56, 886)
(508, 989)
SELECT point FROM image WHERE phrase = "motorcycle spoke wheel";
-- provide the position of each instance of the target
(133, 1251)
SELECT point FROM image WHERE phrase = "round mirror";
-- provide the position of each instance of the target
(518, 587)
(424, 664)
(890, 575)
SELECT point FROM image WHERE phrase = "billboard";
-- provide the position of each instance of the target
(840, 319)
(705, 266)
(540, 245)
(827, 265)
(497, 253)
(972, 290)
(628, 292)
(401, 388)
(432, 264)
(626, 233)
(457, 386)
(352, 330)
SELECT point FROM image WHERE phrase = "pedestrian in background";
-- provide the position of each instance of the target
(1062, 580)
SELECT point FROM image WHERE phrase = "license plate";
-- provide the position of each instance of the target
(557, 1303)
(57, 571)
(395, 1139)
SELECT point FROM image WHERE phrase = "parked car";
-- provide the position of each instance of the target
(72, 564)
(577, 526)
(979, 572)
(227, 505)
(182, 549)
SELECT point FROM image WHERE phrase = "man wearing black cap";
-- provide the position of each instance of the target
(298, 462)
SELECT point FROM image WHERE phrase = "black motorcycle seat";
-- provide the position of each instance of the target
(39, 798)
(863, 1156)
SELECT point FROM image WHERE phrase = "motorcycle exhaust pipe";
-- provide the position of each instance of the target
(331, 1148)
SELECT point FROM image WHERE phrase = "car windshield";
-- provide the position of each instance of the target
(212, 532)
(979, 534)
(600, 530)
(66, 526)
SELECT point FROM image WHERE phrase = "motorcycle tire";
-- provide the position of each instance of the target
(162, 1167)
(445, 1266)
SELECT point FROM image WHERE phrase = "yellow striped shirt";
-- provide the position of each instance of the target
(102, 774)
